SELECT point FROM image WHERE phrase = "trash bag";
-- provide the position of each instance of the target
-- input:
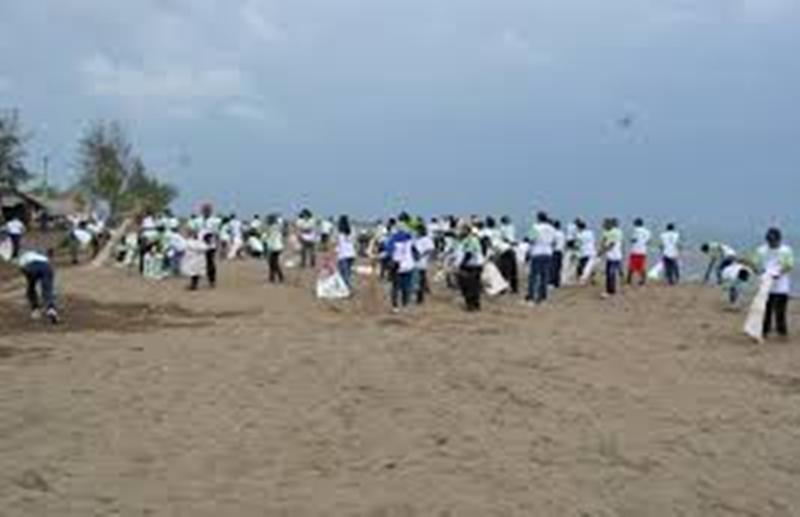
(656, 272)
(332, 287)
(493, 282)
(6, 250)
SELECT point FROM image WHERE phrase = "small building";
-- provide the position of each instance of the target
(17, 204)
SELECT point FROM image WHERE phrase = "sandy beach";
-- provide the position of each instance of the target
(256, 400)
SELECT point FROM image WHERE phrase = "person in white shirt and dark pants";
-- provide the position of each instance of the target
(40, 277)
(777, 259)
(671, 250)
(15, 229)
(543, 237)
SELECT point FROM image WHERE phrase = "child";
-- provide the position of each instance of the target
(345, 251)
(637, 262)
(39, 275)
(776, 259)
(275, 248)
(612, 249)
(720, 255)
(671, 251)
(425, 248)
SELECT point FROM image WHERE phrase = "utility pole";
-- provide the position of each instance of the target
(45, 166)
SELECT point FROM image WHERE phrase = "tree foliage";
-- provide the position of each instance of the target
(112, 173)
(12, 150)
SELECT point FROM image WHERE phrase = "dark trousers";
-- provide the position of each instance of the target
(556, 267)
(345, 267)
(507, 264)
(539, 279)
(613, 275)
(582, 263)
(16, 240)
(275, 271)
(401, 289)
(423, 288)
(211, 267)
(469, 279)
(672, 271)
(39, 275)
(776, 310)
(308, 255)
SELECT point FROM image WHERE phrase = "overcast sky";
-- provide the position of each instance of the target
(366, 106)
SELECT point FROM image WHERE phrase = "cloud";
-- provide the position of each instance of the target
(256, 21)
(515, 47)
(766, 10)
(244, 110)
(103, 76)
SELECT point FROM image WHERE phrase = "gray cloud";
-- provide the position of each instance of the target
(352, 104)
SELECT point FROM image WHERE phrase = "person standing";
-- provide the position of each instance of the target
(542, 237)
(274, 248)
(307, 235)
(209, 234)
(39, 276)
(612, 249)
(559, 247)
(399, 249)
(425, 248)
(507, 255)
(15, 229)
(345, 251)
(587, 247)
(470, 261)
(637, 262)
(776, 259)
(671, 252)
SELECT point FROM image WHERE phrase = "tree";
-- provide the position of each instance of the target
(146, 192)
(112, 173)
(12, 150)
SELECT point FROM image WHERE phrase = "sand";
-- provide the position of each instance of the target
(256, 400)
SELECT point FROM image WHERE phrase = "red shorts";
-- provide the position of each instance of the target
(637, 264)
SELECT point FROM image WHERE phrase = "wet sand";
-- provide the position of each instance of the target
(256, 400)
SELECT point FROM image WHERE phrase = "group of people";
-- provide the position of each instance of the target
(472, 254)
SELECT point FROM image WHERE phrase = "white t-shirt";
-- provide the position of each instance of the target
(640, 241)
(235, 229)
(613, 238)
(307, 229)
(256, 224)
(345, 247)
(588, 248)
(543, 239)
(29, 257)
(731, 273)
(176, 242)
(773, 262)
(670, 243)
(424, 247)
(15, 227)
(404, 256)
(560, 242)
(326, 227)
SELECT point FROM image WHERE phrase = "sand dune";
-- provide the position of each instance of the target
(255, 400)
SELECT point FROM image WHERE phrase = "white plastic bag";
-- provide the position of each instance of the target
(493, 282)
(656, 272)
(6, 250)
(332, 287)
(754, 324)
